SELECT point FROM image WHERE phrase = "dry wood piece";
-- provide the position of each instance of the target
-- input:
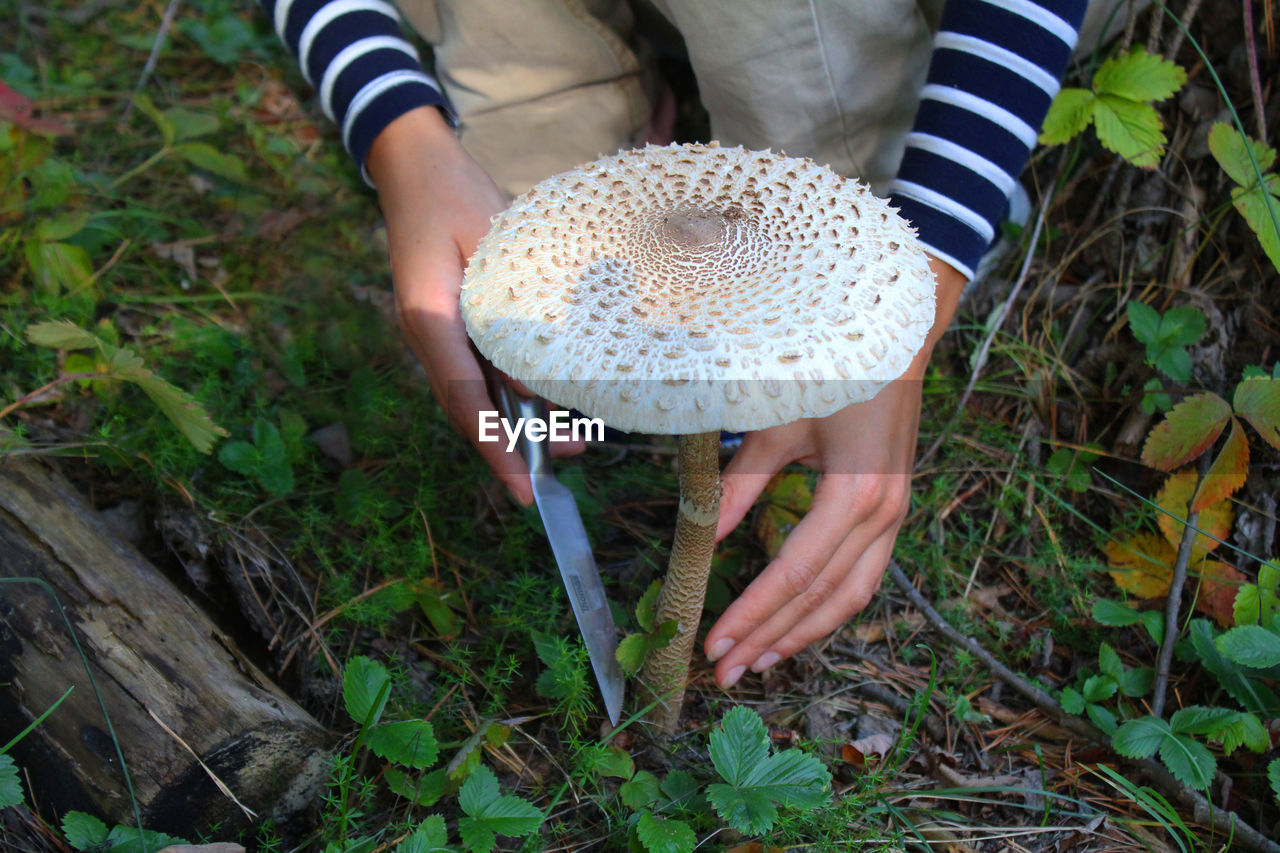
(155, 657)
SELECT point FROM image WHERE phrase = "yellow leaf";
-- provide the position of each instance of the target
(1142, 565)
(1228, 472)
(1215, 519)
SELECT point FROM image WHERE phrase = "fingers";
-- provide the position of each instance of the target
(827, 570)
(757, 460)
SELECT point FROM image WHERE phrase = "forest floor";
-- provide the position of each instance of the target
(202, 213)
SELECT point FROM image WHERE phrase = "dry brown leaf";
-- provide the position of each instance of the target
(1142, 565)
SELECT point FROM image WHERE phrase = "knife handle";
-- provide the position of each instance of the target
(512, 407)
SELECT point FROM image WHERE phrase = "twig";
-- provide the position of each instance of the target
(1244, 836)
(980, 360)
(49, 386)
(1255, 79)
(1187, 15)
(166, 24)
(1171, 607)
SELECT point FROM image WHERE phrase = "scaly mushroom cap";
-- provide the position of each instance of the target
(691, 288)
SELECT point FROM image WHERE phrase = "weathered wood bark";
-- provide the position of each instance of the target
(152, 652)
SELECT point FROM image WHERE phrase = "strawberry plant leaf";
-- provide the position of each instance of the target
(1231, 149)
(740, 743)
(1139, 76)
(1200, 719)
(1102, 718)
(747, 811)
(1188, 760)
(58, 267)
(640, 791)
(1249, 692)
(1114, 614)
(1242, 729)
(411, 743)
(664, 835)
(1109, 662)
(647, 606)
(1251, 645)
(603, 760)
(431, 836)
(1189, 429)
(1130, 129)
(1182, 325)
(1273, 776)
(366, 686)
(1072, 701)
(1140, 738)
(1227, 474)
(1137, 681)
(1099, 688)
(1144, 322)
(631, 652)
(681, 790)
(178, 406)
(1257, 400)
(489, 813)
(83, 831)
(11, 784)
(1214, 522)
(63, 334)
(1068, 116)
(1142, 565)
(1256, 205)
(425, 790)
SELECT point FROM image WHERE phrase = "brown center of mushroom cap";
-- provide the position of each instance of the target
(689, 266)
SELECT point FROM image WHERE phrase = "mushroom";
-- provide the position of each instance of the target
(690, 289)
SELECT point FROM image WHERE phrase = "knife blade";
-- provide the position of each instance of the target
(569, 544)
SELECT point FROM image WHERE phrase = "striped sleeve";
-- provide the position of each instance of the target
(365, 71)
(995, 69)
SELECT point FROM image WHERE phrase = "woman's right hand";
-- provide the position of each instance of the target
(438, 203)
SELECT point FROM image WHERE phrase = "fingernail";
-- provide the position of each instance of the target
(733, 676)
(765, 661)
(720, 648)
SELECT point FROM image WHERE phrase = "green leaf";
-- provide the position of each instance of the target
(664, 835)
(1139, 76)
(631, 652)
(1190, 428)
(1173, 361)
(1200, 720)
(11, 783)
(681, 791)
(1098, 688)
(143, 102)
(1249, 692)
(1242, 729)
(746, 810)
(188, 125)
(83, 830)
(366, 687)
(603, 760)
(1102, 718)
(1251, 645)
(1115, 614)
(273, 471)
(1068, 116)
(58, 267)
(1130, 129)
(739, 744)
(1256, 205)
(178, 406)
(1273, 776)
(1189, 761)
(239, 456)
(1247, 608)
(1137, 681)
(1109, 662)
(642, 790)
(1140, 738)
(1182, 325)
(202, 155)
(489, 813)
(1231, 149)
(1153, 621)
(793, 779)
(423, 791)
(1258, 402)
(411, 743)
(646, 607)
(62, 334)
(56, 228)
(1072, 701)
(1144, 321)
(430, 836)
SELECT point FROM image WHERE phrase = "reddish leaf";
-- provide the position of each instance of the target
(16, 109)
(1228, 472)
(1215, 519)
(1188, 430)
(1143, 565)
(1218, 586)
(1257, 400)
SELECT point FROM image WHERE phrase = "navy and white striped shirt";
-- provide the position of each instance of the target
(995, 69)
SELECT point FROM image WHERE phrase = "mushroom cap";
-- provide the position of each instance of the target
(692, 288)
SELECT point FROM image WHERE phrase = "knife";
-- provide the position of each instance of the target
(569, 543)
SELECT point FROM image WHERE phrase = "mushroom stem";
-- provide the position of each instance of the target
(666, 670)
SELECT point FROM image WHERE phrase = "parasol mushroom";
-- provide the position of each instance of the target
(690, 289)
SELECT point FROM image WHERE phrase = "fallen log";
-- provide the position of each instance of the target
(159, 662)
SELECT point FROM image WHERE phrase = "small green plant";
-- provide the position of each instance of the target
(566, 679)
(634, 648)
(1257, 194)
(1176, 741)
(107, 361)
(270, 456)
(1119, 106)
(1072, 464)
(89, 834)
(1167, 337)
(1113, 678)
(411, 745)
